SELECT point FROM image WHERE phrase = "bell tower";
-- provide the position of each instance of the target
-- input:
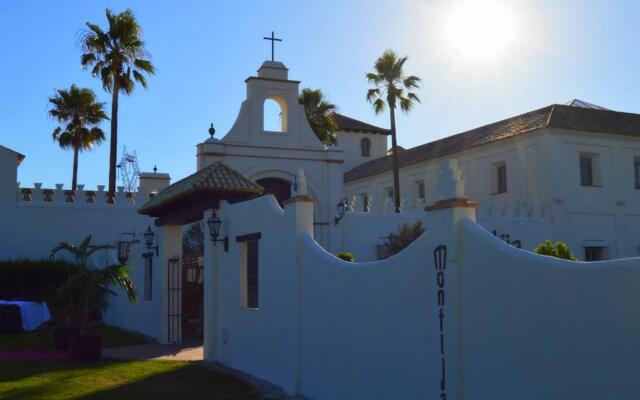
(271, 150)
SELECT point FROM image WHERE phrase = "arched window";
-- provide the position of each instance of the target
(274, 115)
(365, 147)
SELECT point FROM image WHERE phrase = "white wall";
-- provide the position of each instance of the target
(350, 143)
(260, 342)
(535, 327)
(364, 330)
(515, 324)
(325, 328)
(30, 229)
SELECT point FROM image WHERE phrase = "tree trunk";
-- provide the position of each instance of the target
(113, 154)
(84, 318)
(394, 157)
(74, 179)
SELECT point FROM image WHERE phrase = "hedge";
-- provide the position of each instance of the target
(32, 279)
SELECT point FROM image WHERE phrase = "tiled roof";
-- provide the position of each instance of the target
(216, 178)
(353, 125)
(554, 116)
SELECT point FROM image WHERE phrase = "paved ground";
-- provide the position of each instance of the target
(172, 352)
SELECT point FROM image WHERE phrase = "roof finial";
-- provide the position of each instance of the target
(212, 130)
(155, 169)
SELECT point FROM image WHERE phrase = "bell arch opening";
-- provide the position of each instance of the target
(274, 111)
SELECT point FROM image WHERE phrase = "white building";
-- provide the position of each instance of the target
(459, 314)
(575, 167)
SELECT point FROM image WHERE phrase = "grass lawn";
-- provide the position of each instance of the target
(43, 339)
(116, 379)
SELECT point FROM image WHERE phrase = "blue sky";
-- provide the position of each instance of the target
(203, 51)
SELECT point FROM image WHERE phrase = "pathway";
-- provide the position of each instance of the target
(154, 351)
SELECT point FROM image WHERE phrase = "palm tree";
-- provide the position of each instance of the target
(320, 115)
(390, 84)
(119, 59)
(79, 111)
(91, 286)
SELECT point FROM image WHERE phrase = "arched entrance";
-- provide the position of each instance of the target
(279, 188)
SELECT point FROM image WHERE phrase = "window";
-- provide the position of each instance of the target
(365, 147)
(636, 168)
(249, 272)
(365, 202)
(586, 170)
(420, 190)
(148, 275)
(499, 177)
(594, 253)
(589, 169)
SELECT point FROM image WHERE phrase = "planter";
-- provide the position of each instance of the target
(62, 337)
(86, 348)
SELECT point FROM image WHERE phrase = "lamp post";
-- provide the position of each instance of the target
(214, 224)
(341, 207)
(148, 240)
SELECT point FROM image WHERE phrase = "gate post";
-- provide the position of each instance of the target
(170, 247)
(443, 219)
(210, 302)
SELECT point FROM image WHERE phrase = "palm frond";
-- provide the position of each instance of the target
(413, 97)
(373, 94)
(379, 106)
(63, 246)
(319, 112)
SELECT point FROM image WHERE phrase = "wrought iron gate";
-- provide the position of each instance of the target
(174, 297)
(192, 295)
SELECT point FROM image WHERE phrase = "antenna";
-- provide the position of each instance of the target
(128, 171)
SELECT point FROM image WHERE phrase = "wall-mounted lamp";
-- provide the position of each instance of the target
(341, 207)
(214, 224)
(148, 240)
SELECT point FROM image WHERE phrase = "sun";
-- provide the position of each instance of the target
(481, 28)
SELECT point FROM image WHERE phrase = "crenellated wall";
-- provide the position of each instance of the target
(35, 219)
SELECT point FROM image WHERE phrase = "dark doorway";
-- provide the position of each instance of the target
(280, 188)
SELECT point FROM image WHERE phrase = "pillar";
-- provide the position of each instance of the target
(443, 220)
(169, 247)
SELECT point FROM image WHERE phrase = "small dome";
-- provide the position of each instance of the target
(273, 70)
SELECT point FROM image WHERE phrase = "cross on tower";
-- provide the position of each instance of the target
(273, 41)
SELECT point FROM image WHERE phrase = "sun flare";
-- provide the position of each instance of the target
(481, 28)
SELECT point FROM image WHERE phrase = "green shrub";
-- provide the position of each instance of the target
(346, 256)
(32, 279)
(559, 250)
(406, 234)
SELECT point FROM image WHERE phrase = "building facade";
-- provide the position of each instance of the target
(578, 168)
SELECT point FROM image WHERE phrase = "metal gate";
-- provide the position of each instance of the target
(174, 297)
(192, 295)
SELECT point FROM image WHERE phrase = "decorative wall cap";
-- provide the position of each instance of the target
(452, 203)
(301, 198)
